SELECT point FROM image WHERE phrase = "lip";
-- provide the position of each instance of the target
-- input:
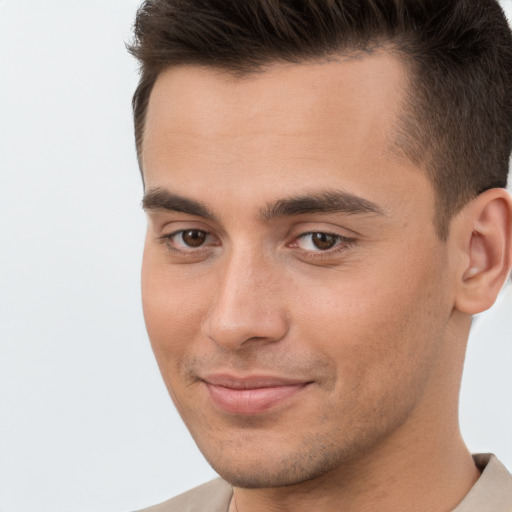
(251, 395)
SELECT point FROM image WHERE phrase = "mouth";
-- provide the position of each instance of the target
(251, 395)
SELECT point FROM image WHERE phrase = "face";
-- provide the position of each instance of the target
(294, 288)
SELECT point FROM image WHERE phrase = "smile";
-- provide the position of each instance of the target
(251, 395)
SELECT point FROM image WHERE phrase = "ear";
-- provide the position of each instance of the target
(484, 233)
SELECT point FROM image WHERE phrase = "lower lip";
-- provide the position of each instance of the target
(251, 401)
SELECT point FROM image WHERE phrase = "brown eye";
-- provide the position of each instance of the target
(324, 241)
(319, 241)
(194, 237)
(189, 241)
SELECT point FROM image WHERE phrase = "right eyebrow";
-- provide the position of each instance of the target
(158, 199)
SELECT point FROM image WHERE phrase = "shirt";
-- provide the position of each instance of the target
(492, 492)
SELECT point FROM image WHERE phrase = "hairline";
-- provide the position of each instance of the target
(247, 70)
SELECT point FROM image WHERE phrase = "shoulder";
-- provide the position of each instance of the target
(212, 496)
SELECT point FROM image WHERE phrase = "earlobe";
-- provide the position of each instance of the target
(486, 238)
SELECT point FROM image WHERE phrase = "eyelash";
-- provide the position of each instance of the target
(342, 244)
(167, 241)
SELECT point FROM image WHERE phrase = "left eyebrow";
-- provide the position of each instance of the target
(331, 201)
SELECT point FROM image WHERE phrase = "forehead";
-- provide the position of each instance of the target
(315, 101)
(210, 134)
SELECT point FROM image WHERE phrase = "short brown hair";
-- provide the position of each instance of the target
(459, 54)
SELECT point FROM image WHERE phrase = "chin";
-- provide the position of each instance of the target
(269, 475)
(258, 467)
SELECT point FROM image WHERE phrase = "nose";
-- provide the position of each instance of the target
(246, 308)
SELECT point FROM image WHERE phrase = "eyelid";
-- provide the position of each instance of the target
(344, 244)
(167, 239)
(340, 238)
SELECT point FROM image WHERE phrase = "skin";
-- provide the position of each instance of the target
(375, 326)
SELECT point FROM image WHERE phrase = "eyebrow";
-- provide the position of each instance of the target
(323, 202)
(331, 201)
(160, 199)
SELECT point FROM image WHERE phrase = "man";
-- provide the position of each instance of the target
(324, 183)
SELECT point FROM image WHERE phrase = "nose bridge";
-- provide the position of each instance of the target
(246, 306)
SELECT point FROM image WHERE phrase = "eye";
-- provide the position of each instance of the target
(193, 237)
(189, 239)
(319, 241)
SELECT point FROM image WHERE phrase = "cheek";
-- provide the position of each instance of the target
(379, 325)
(172, 312)
(172, 306)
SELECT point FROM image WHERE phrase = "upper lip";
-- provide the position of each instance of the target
(251, 381)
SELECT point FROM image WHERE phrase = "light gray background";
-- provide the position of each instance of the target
(86, 424)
